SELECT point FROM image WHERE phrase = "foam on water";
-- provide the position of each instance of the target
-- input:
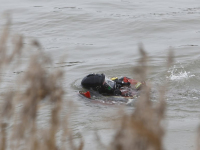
(178, 73)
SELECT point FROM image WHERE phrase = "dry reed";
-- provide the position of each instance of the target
(19, 106)
(140, 130)
(39, 84)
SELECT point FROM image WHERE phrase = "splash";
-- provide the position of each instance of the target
(179, 73)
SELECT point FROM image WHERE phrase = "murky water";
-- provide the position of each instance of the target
(103, 36)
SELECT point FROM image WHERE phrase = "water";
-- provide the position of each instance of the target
(103, 37)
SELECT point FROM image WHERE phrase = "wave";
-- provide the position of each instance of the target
(178, 73)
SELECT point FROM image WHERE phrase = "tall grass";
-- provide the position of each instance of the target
(39, 84)
(141, 130)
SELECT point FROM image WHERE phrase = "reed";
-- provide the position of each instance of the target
(141, 130)
(38, 84)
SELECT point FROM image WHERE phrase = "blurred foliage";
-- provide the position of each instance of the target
(141, 130)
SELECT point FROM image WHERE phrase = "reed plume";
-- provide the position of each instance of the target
(143, 128)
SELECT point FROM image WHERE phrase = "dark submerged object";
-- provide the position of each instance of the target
(98, 82)
(93, 80)
(123, 86)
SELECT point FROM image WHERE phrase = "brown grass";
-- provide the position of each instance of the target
(141, 130)
(38, 84)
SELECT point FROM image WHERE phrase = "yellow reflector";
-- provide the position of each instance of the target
(138, 85)
(114, 78)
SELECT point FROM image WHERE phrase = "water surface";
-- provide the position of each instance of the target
(103, 37)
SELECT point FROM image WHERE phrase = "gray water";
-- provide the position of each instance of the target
(102, 36)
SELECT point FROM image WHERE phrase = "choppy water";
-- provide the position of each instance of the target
(102, 37)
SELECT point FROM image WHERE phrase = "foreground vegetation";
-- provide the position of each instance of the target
(141, 130)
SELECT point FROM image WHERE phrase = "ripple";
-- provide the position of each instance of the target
(178, 73)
